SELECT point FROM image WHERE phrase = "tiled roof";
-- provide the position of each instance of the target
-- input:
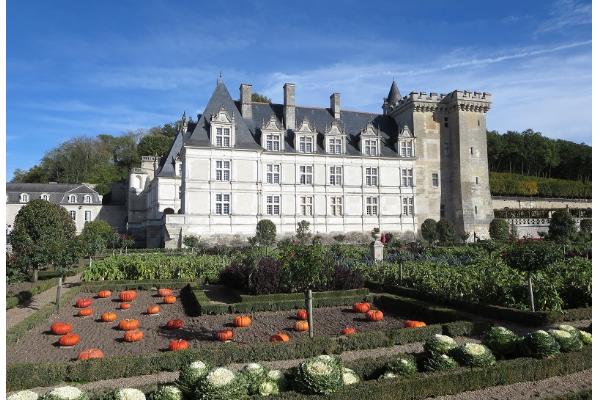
(57, 192)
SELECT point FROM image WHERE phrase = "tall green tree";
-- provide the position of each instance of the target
(41, 229)
(154, 145)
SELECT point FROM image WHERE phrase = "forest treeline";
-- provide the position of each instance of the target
(520, 164)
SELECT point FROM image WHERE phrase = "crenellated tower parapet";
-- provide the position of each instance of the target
(465, 100)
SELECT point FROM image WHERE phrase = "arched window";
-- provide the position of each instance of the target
(45, 196)
(24, 198)
(72, 198)
(87, 198)
(169, 211)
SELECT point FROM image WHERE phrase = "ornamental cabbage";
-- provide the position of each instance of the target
(319, 375)
(474, 355)
(279, 378)
(221, 384)
(23, 395)
(571, 329)
(586, 338)
(388, 375)
(129, 394)
(255, 374)
(66, 393)
(402, 367)
(501, 341)
(349, 377)
(566, 340)
(539, 344)
(439, 344)
(267, 388)
(189, 377)
(169, 392)
(439, 362)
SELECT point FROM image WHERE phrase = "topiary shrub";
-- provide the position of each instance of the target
(222, 384)
(499, 229)
(445, 230)
(319, 375)
(501, 341)
(539, 344)
(429, 230)
(562, 226)
(474, 355)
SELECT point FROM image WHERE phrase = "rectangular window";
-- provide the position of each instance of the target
(335, 176)
(273, 205)
(222, 204)
(223, 137)
(408, 207)
(306, 174)
(370, 147)
(306, 205)
(435, 180)
(305, 145)
(371, 205)
(272, 173)
(335, 146)
(445, 122)
(477, 180)
(407, 177)
(223, 170)
(371, 176)
(73, 215)
(273, 142)
(446, 149)
(442, 211)
(88, 216)
(335, 206)
(406, 148)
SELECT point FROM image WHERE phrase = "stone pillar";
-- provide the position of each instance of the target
(377, 247)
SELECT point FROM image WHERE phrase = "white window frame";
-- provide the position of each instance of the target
(371, 147)
(223, 170)
(371, 176)
(87, 198)
(306, 205)
(336, 175)
(273, 141)
(372, 205)
(223, 136)
(222, 203)
(23, 198)
(88, 216)
(305, 174)
(406, 148)
(306, 144)
(45, 196)
(73, 215)
(435, 180)
(407, 177)
(336, 206)
(335, 145)
(72, 198)
(273, 173)
(408, 206)
(273, 203)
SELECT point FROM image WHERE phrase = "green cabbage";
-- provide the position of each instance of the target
(255, 374)
(349, 377)
(566, 340)
(319, 375)
(169, 392)
(539, 344)
(586, 338)
(501, 341)
(571, 329)
(439, 362)
(221, 384)
(474, 355)
(439, 344)
(190, 375)
(402, 367)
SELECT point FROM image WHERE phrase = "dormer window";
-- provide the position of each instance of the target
(369, 139)
(405, 143)
(222, 129)
(272, 135)
(305, 137)
(72, 198)
(335, 136)
(45, 196)
(87, 198)
(23, 197)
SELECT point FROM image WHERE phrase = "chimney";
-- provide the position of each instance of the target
(334, 100)
(246, 100)
(289, 102)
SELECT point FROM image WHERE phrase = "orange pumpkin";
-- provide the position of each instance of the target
(128, 295)
(85, 312)
(129, 324)
(155, 309)
(242, 321)
(61, 328)
(175, 324)
(414, 324)
(348, 331)
(280, 337)
(169, 299)
(90, 353)
(302, 314)
(108, 316)
(224, 335)
(83, 303)
(178, 345)
(103, 294)
(301, 326)
(361, 307)
(164, 292)
(374, 315)
(133, 335)
(125, 306)
(70, 339)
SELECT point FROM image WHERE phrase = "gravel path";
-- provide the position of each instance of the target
(528, 390)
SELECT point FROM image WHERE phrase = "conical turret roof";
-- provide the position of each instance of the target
(394, 95)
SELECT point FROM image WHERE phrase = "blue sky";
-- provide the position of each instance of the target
(77, 68)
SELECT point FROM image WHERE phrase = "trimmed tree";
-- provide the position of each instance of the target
(40, 229)
(445, 230)
(499, 229)
(562, 226)
(429, 230)
(266, 232)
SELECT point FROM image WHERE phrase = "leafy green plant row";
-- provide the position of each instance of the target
(146, 284)
(300, 296)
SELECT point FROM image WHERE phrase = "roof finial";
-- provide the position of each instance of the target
(220, 76)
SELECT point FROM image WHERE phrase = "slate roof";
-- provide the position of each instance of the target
(57, 192)
(248, 130)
